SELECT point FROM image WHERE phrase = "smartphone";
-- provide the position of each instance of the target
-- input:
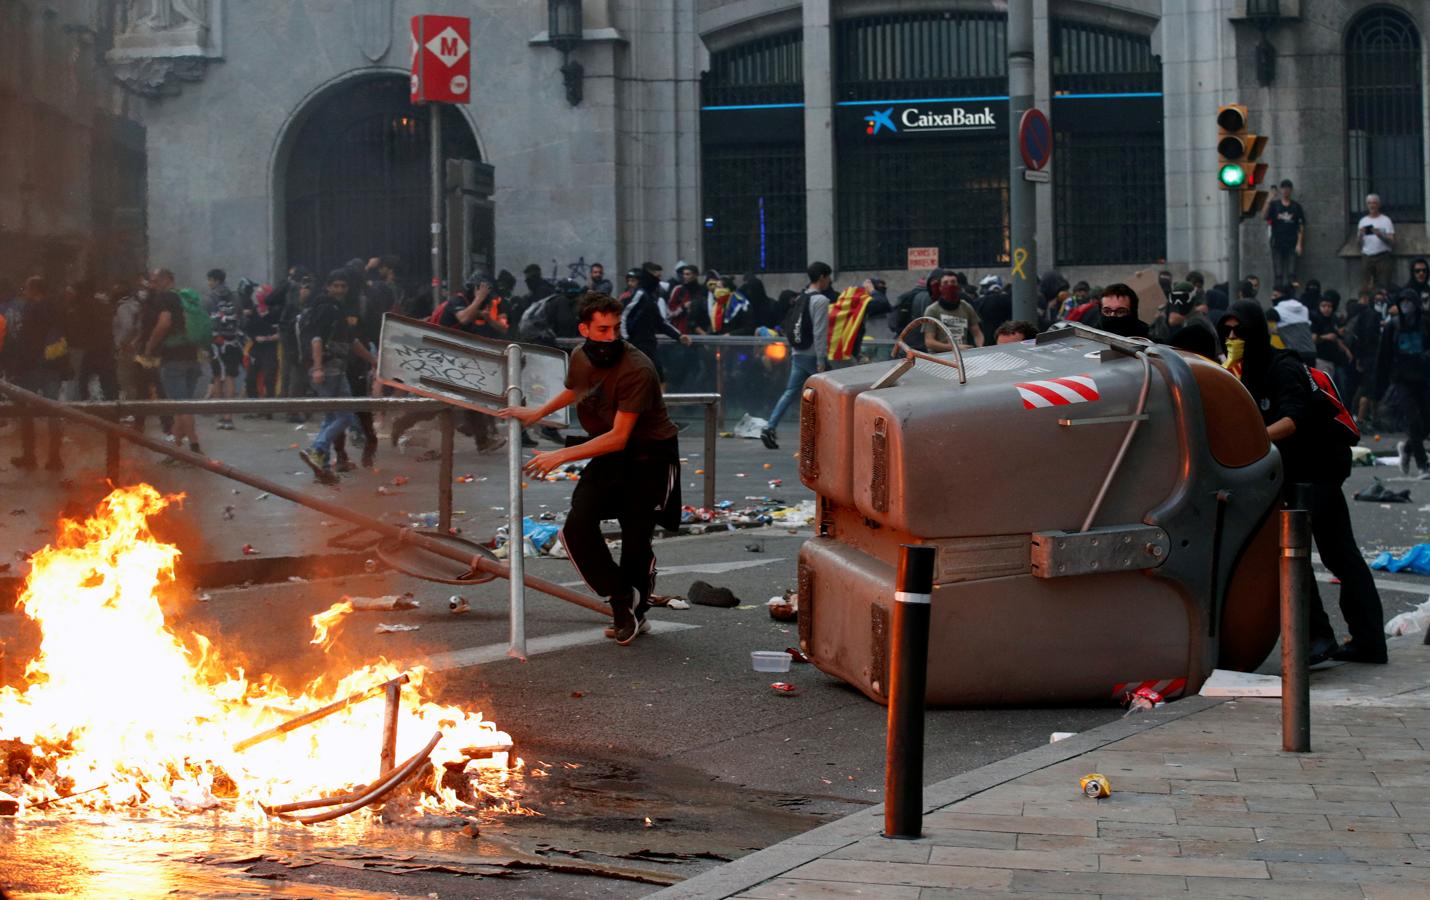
(1368, 229)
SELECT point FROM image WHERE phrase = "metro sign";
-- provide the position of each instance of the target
(441, 59)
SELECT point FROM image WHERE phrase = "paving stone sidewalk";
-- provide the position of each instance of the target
(1204, 804)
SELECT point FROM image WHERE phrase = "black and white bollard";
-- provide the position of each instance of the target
(908, 681)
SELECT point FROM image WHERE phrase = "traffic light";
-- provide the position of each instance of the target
(1238, 152)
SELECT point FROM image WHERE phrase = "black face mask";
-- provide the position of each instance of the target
(1122, 326)
(604, 354)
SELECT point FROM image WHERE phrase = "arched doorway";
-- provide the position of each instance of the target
(357, 178)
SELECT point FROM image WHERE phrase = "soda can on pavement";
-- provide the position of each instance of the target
(1095, 786)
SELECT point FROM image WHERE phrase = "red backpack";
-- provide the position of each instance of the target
(1328, 399)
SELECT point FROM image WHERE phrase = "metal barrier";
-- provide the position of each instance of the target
(114, 410)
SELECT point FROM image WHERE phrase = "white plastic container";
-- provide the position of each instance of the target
(770, 660)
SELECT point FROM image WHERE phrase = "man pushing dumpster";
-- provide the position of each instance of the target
(634, 473)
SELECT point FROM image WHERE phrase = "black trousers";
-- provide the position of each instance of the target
(1415, 407)
(1336, 542)
(633, 489)
(262, 364)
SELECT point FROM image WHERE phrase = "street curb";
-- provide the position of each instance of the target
(771, 862)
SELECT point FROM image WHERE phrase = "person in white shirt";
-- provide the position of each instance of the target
(1377, 238)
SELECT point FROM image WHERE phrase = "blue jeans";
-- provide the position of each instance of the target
(801, 366)
(180, 379)
(335, 384)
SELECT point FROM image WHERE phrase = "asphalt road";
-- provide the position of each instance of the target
(676, 727)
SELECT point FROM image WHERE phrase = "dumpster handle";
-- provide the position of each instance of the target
(912, 354)
(1126, 441)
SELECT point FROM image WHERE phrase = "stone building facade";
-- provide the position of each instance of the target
(71, 149)
(747, 135)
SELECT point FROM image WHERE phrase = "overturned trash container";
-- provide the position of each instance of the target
(1102, 510)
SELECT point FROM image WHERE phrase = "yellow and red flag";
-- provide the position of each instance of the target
(846, 315)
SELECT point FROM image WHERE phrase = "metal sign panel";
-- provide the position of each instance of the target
(441, 59)
(921, 259)
(463, 369)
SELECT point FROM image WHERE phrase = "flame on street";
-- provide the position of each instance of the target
(117, 705)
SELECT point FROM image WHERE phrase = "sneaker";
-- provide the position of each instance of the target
(767, 437)
(626, 627)
(1403, 449)
(344, 465)
(1349, 652)
(369, 455)
(528, 441)
(642, 628)
(319, 464)
(553, 435)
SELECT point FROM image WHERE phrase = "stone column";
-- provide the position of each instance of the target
(819, 159)
(1042, 99)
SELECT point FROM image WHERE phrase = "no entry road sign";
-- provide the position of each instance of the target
(1035, 139)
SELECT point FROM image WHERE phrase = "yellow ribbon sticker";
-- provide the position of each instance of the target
(1020, 256)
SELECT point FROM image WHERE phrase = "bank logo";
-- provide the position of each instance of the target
(880, 119)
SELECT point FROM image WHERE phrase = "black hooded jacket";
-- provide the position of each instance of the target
(1404, 356)
(1277, 380)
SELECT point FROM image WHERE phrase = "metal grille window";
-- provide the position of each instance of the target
(893, 196)
(1109, 181)
(768, 70)
(1385, 127)
(1109, 196)
(1092, 60)
(920, 55)
(754, 207)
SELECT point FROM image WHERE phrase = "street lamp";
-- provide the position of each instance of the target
(1264, 14)
(565, 34)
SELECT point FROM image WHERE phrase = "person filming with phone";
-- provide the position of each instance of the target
(1377, 238)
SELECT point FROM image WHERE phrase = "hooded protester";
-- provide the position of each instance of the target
(909, 305)
(1117, 312)
(1420, 280)
(642, 321)
(1301, 430)
(760, 303)
(1177, 316)
(1404, 363)
(956, 314)
(1050, 286)
(1293, 326)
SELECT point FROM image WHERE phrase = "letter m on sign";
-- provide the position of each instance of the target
(441, 59)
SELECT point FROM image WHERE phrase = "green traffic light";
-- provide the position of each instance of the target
(1231, 175)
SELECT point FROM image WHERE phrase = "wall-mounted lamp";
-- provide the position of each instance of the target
(1264, 14)
(565, 33)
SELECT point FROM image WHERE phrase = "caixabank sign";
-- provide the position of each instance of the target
(924, 119)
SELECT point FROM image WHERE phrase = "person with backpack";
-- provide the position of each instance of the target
(806, 330)
(226, 351)
(1311, 428)
(328, 336)
(180, 326)
(911, 304)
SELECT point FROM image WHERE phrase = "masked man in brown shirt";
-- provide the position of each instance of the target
(634, 473)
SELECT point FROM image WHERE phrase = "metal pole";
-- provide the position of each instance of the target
(336, 510)
(388, 756)
(1296, 582)
(516, 543)
(434, 117)
(444, 471)
(1022, 202)
(1233, 242)
(712, 434)
(908, 681)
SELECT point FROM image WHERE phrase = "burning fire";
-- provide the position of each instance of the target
(118, 711)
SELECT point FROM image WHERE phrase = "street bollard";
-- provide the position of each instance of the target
(908, 681)
(1296, 586)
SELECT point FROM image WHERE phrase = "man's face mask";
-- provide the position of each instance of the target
(948, 292)
(604, 354)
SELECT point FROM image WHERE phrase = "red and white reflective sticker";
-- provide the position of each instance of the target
(1057, 391)
(1169, 688)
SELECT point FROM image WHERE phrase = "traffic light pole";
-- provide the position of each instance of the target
(434, 113)
(1233, 242)
(1022, 202)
